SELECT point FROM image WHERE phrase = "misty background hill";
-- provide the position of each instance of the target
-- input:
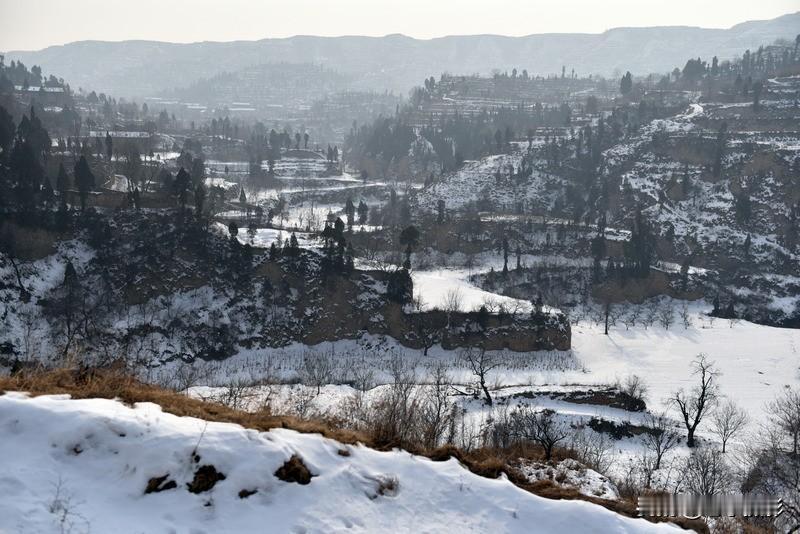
(397, 62)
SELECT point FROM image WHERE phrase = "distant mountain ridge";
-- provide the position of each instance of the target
(397, 62)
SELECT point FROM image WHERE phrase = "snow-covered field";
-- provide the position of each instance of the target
(442, 287)
(83, 466)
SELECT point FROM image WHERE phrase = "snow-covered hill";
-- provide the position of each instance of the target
(84, 466)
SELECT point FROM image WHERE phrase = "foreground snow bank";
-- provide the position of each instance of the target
(84, 465)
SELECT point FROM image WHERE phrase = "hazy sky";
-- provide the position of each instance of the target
(34, 24)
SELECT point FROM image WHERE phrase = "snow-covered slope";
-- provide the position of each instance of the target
(83, 465)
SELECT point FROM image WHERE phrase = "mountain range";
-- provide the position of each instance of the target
(397, 62)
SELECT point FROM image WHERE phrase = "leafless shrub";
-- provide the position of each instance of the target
(634, 387)
(64, 508)
(453, 300)
(185, 376)
(592, 449)
(706, 473)
(237, 393)
(299, 402)
(499, 428)
(393, 418)
(436, 410)
(541, 427)
(318, 369)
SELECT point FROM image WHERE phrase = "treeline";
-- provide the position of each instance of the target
(17, 73)
(448, 141)
(739, 76)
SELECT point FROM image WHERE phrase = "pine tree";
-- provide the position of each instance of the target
(505, 256)
(757, 88)
(84, 180)
(109, 146)
(47, 191)
(626, 84)
(181, 185)
(62, 181)
(440, 206)
(720, 149)
(363, 212)
(199, 199)
(350, 211)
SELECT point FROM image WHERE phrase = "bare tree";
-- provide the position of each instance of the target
(427, 332)
(593, 449)
(317, 370)
(541, 427)
(418, 302)
(185, 376)
(237, 393)
(650, 314)
(774, 468)
(480, 363)
(785, 415)
(393, 418)
(632, 317)
(436, 407)
(686, 318)
(659, 438)
(727, 421)
(694, 405)
(666, 315)
(706, 473)
(452, 300)
(452, 303)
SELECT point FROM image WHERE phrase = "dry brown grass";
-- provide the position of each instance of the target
(114, 384)
(294, 470)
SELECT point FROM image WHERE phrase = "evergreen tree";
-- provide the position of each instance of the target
(338, 228)
(62, 180)
(180, 186)
(757, 88)
(363, 212)
(7, 130)
(350, 211)
(47, 192)
(109, 146)
(743, 207)
(409, 238)
(720, 149)
(84, 180)
(505, 256)
(626, 84)
(440, 207)
(199, 199)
